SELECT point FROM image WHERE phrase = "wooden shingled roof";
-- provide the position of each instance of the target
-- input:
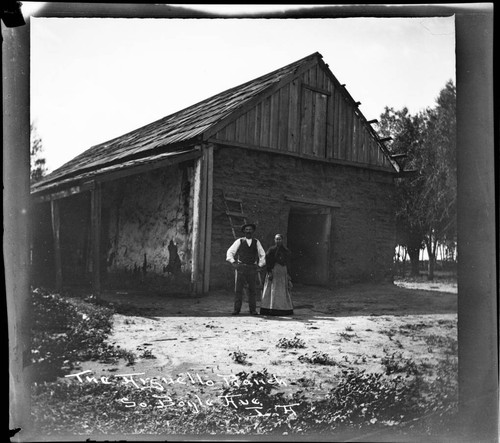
(170, 135)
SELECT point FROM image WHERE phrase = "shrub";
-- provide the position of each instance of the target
(239, 357)
(317, 358)
(288, 343)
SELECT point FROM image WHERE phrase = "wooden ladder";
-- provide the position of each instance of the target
(234, 211)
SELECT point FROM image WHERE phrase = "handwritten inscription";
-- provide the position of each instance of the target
(161, 383)
(161, 400)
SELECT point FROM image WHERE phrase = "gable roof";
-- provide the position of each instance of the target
(170, 134)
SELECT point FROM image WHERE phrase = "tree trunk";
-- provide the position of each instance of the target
(431, 252)
(432, 262)
(414, 254)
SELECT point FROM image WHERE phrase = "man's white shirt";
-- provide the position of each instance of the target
(231, 252)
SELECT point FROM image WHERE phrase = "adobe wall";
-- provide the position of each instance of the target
(147, 229)
(362, 235)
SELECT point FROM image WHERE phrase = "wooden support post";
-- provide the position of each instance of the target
(202, 222)
(54, 209)
(95, 220)
(208, 212)
(198, 225)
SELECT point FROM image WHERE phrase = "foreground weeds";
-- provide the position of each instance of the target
(401, 399)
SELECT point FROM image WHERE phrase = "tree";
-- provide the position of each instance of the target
(426, 201)
(406, 132)
(37, 161)
(439, 197)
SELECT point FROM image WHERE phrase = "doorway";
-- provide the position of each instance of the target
(309, 241)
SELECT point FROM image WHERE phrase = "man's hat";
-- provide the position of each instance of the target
(252, 225)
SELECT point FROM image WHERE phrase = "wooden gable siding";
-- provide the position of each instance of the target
(309, 116)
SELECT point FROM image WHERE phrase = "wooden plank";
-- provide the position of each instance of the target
(197, 197)
(313, 79)
(241, 128)
(305, 121)
(274, 120)
(336, 124)
(284, 98)
(59, 194)
(305, 77)
(349, 124)
(257, 126)
(313, 201)
(265, 123)
(208, 223)
(95, 218)
(343, 126)
(330, 128)
(319, 90)
(293, 121)
(231, 131)
(362, 156)
(320, 79)
(203, 222)
(320, 124)
(355, 134)
(250, 130)
(56, 224)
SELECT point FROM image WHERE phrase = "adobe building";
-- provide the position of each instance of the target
(157, 208)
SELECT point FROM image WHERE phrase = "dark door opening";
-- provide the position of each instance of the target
(309, 242)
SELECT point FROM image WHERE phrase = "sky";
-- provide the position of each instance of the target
(94, 79)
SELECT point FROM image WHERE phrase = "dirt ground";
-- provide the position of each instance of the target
(189, 342)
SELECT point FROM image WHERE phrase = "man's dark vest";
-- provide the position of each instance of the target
(248, 254)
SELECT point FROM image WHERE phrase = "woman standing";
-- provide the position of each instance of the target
(276, 296)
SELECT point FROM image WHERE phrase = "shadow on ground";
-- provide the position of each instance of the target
(309, 301)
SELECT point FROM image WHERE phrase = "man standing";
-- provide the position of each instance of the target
(246, 255)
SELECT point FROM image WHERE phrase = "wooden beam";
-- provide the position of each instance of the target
(313, 201)
(371, 122)
(316, 89)
(86, 181)
(399, 156)
(54, 209)
(198, 222)
(208, 223)
(385, 139)
(59, 194)
(303, 156)
(95, 217)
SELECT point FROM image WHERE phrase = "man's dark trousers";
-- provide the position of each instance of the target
(245, 273)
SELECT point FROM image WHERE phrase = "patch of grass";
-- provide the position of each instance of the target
(318, 358)
(396, 363)
(239, 357)
(306, 382)
(67, 331)
(410, 328)
(360, 400)
(346, 336)
(287, 343)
